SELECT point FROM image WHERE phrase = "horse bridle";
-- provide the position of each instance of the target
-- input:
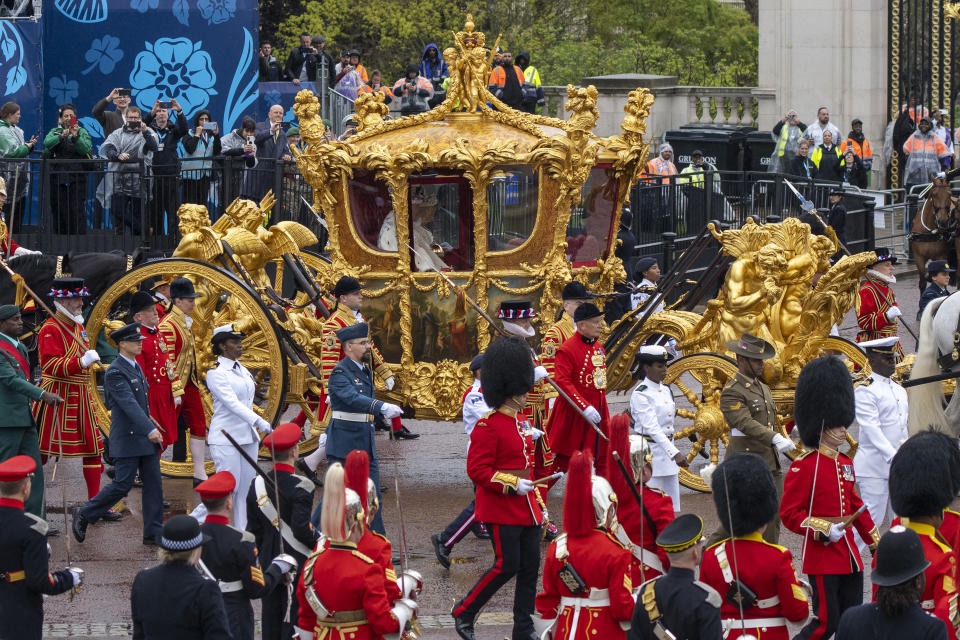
(949, 360)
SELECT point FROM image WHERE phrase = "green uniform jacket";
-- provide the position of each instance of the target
(748, 406)
(15, 388)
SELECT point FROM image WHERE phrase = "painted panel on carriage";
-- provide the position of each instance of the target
(202, 53)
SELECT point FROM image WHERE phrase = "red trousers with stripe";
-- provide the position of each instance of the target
(832, 595)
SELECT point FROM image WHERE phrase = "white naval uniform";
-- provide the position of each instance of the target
(232, 389)
(640, 296)
(653, 411)
(474, 407)
(881, 409)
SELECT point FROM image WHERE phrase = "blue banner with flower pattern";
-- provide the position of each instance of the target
(202, 53)
(21, 71)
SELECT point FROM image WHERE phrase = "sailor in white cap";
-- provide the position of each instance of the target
(653, 410)
(881, 410)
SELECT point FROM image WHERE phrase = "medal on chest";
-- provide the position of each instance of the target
(846, 472)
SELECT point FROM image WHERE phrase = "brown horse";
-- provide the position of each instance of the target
(933, 227)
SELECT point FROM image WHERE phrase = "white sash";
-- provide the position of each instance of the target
(263, 500)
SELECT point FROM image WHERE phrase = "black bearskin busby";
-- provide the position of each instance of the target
(752, 499)
(924, 475)
(823, 399)
(507, 371)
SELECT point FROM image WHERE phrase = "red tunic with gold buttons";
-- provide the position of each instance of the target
(872, 306)
(768, 570)
(501, 451)
(62, 374)
(831, 480)
(581, 371)
(376, 547)
(350, 586)
(950, 530)
(180, 340)
(660, 508)
(155, 361)
(940, 592)
(603, 563)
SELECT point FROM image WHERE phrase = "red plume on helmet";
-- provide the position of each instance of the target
(619, 443)
(357, 470)
(579, 518)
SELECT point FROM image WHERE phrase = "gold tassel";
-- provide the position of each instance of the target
(21, 290)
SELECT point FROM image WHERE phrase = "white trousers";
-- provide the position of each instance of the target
(875, 493)
(670, 485)
(226, 458)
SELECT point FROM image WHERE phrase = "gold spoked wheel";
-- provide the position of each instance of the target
(223, 299)
(700, 378)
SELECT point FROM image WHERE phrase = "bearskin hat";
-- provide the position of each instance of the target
(620, 444)
(579, 517)
(356, 470)
(923, 475)
(507, 371)
(823, 398)
(743, 489)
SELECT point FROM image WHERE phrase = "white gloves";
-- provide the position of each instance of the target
(535, 433)
(77, 575)
(893, 312)
(326, 399)
(390, 383)
(23, 251)
(283, 561)
(524, 486)
(263, 426)
(539, 373)
(404, 611)
(593, 415)
(550, 402)
(782, 444)
(88, 358)
(177, 401)
(836, 532)
(390, 411)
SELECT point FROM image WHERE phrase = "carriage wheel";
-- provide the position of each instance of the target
(674, 324)
(701, 377)
(224, 299)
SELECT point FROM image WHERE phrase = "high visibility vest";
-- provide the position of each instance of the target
(498, 77)
(532, 75)
(817, 154)
(863, 151)
(694, 175)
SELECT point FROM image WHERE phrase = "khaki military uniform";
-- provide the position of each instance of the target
(751, 414)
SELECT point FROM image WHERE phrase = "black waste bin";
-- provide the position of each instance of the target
(757, 150)
(722, 144)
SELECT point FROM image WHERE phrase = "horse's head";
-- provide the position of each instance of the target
(940, 198)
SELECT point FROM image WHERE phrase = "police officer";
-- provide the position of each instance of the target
(352, 404)
(751, 414)
(24, 575)
(760, 585)
(231, 558)
(292, 534)
(135, 440)
(677, 602)
(174, 601)
(881, 408)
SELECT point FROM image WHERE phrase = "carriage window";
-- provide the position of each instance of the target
(588, 232)
(441, 223)
(511, 207)
(371, 209)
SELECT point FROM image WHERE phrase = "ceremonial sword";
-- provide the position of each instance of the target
(483, 314)
(638, 496)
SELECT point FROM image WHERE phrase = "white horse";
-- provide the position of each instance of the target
(938, 327)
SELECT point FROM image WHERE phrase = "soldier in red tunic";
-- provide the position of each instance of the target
(639, 528)
(65, 371)
(175, 330)
(875, 315)
(500, 463)
(924, 478)
(340, 590)
(156, 365)
(819, 499)
(581, 371)
(587, 583)
(760, 587)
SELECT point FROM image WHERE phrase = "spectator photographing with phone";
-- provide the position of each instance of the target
(65, 146)
(239, 146)
(166, 190)
(200, 145)
(130, 151)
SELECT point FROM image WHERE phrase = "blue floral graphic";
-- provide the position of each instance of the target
(271, 98)
(143, 5)
(85, 11)
(181, 11)
(11, 51)
(217, 11)
(174, 68)
(103, 53)
(63, 90)
(243, 88)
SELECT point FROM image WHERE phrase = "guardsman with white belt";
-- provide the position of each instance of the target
(639, 525)
(761, 588)
(653, 410)
(881, 407)
(230, 556)
(751, 413)
(924, 479)
(586, 575)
